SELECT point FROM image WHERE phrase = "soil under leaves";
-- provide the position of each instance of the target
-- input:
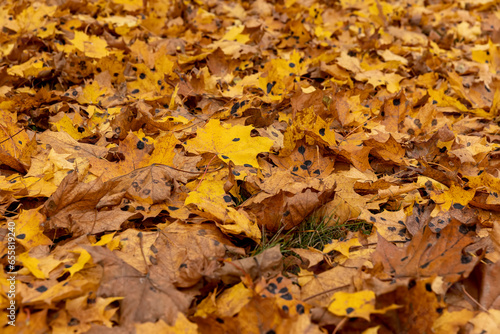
(296, 166)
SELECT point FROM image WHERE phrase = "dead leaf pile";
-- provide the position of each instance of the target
(149, 148)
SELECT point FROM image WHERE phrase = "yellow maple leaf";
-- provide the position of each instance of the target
(66, 124)
(486, 322)
(93, 93)
(31, 264)
(357, 304)
(235, 34)
(229, 303)
(29, 232)
(450, 322)
(98, 311)
(211, 198)
(163, 153)
(229, 143)
(149, 84)
(378, 78)
(83, 259)
(280, 75)
(455, 195)
(341, 246)
(30, 68)
(440, 99)
(92, 46)
(182, 326)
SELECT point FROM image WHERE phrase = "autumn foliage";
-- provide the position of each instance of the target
(157, 157)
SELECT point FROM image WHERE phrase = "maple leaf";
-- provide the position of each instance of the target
(164, 164)
(143, 300)
(429, 253)
(229, 143)
(357, 304)
(92, 46)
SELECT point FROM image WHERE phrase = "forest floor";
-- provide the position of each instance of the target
(292, 166)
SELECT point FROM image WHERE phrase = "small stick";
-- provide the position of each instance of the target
(205, 172)
(339, 326)
(475, 301)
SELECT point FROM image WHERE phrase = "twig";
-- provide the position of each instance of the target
(325, 292)
(475, 301)
(339, 326)
(205, 172)
(10, 136)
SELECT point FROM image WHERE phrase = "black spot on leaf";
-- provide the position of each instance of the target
(465, 259)
(270, 86)
(235, 107)
(463, 229)
(41, 288)
(272, 288)
(73, 322)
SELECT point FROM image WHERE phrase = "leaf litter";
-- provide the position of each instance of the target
(289, 167)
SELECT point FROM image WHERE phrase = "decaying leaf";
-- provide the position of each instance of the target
(257, 167)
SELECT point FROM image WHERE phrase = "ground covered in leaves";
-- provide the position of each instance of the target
(296, 166)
